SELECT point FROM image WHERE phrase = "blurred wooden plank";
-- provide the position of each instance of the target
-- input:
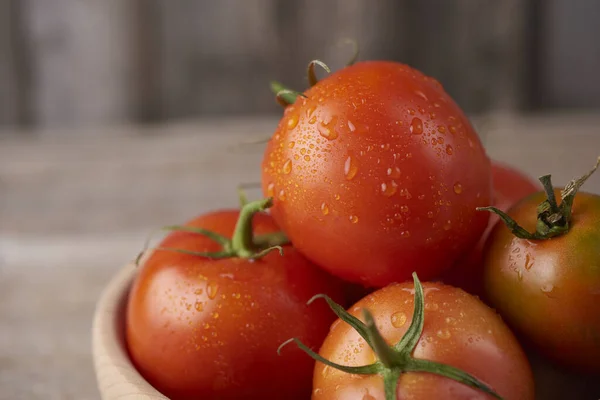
(82, 61)
(8, 73)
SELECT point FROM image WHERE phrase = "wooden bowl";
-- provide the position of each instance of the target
(117, 377)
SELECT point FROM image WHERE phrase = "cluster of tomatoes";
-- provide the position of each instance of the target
(374, 182)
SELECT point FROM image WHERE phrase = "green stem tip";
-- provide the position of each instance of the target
(392, 361)
(553, 219)
(243, 243)
(283, 95)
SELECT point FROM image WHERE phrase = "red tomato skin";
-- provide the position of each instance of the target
(394, 188)
(459, 330)
(209, 329)
(509, 186)
(549, 290)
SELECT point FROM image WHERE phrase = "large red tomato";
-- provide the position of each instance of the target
(509, 186)
(202, 328)
(544, 278)
(377, 173)
(444, 344)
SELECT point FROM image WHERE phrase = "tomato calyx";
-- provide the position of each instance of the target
(243, 243)
(286, 96)
(553, 219)
(395, 360)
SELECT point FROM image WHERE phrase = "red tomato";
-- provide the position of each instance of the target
(378, 173)
(458, 331)
(509, 186)
(548, 290)
(200, 328)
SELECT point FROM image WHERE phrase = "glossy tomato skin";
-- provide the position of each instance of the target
(376, 174)
(549, 290)
(509, 185)
(459, 330)
(209, 329)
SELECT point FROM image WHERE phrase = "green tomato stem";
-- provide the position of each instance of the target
(393, 361)
(312, 77)
(283, 95)
(552, 219)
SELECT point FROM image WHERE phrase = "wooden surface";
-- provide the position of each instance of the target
(75, 208)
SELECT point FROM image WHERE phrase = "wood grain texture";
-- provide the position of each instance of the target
(74, 208)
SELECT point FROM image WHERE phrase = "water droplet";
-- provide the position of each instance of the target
(327, 132)
(416, 126)
(458, 188)
(317, 391)
(270, 189)
(452, 128)
(199, 306)
(310, 111)
(421, 95)
(389, 189)
(303, 150)
(432, 115)
(353, 219)
(198, 291)
(516, 250)
(411, 111)
(528, 262)
(398, 319)
(325, 371)
(212, 288)
(520, 274)
(421, 110)
(405, 234)
(350, 168)
(393, 172)
(437, 105)
(429, 214)
(215, 315)
(282, 196)
(404, 209)
(441, 129)
(312, 120)
(547, 288)
(336, 196)
(291, 144)
(431, 306)
(306, 158)
(443, 334)
(449, 150)
(451, 321)
(324, 208)
(236, 296)
(287, 167)
(447, 225)
(292, 122)
(351, 126)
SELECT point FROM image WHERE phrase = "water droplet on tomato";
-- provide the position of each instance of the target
(416, 126)
(398, 319)
(411, 111)
(327, 132)
(452, 128)
(458, 188)
(421, 95)
(405, 234)
(443, 334)
(437, 105)
(212, 288)
(353, 219)
(449, 150)
(520, 274)
(431, 306)
(528, 262)
(350, 168)
(393, 172)
(547, 288)
(441, 129)
(282, 195)
(351, 126)
(291, 144)
(336, 196)
(199, 306)
(324, 208)
(317, 391)
(429, 214)
(307, 158)
(447, 225)
(198, 291)
(310, 111)
(404, 209)
(312, 120)
(389, 189)
(287, 167)
(451, 321)
(215, 315)
(292, 122)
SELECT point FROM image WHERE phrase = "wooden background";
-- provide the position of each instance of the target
(74, 63)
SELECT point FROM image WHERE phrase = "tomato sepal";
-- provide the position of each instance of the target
(243, 243)
(310, 71)
(392, 361)
(284, 95)
(553, 219)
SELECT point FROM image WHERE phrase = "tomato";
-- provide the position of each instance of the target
(376, 173)
(509, 186)
(456, 330)
(547, 286)
(209, 328)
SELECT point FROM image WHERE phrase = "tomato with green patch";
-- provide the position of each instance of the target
(375, 172)
(542, 272)
(420, 342)
(206, 313)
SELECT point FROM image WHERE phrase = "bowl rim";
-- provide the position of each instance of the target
(116, 376)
